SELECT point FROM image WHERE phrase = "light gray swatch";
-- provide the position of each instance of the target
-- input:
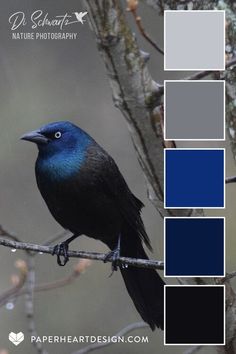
(194, 40)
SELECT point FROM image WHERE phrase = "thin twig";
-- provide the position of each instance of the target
(78, 269)
(18, 282)
(201, 74)
(121, 333)
(11, 235)
(29, 304)
(49, 241)
(76, 272)
(228, 277)
(231, 179)
(142, 263)
(193, 350)
(132, 7)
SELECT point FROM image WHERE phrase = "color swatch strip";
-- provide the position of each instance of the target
(194, 178)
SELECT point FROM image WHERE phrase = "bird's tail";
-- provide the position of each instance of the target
(145, 286)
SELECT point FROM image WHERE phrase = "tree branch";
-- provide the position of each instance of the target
(121, 333)
(201, 74)
(29, 303)
(134, 91)
(193, 350)
(228, 277)
(18, 282)
(231, 179)
(17, 290)
(141, 263)
(132, 6)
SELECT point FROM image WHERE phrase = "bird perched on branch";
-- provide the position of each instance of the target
(87, 194)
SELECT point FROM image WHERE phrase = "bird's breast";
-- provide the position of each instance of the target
(76, 201)
(59, 168)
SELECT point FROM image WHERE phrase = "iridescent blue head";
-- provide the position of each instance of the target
(62, 147)
(57, 137)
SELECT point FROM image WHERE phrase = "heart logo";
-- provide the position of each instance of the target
(16, 338)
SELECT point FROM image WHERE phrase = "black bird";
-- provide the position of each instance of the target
(87, 194)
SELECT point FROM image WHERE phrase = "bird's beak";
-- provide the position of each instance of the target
(35, 137)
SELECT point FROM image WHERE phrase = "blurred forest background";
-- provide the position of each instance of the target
(49, 80)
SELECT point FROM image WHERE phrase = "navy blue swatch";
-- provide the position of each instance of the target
(194, 314)
(194, 247)
(194, 178)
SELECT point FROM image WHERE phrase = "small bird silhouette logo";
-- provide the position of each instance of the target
(79, 16)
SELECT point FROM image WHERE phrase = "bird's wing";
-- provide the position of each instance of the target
(113, 184)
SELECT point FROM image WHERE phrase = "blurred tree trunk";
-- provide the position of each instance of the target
(140, 98)
(135, 93)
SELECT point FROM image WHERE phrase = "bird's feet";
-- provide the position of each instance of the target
(114, 257)
(61, 250)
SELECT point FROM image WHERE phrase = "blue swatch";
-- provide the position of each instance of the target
(194, 178)
(194, 247)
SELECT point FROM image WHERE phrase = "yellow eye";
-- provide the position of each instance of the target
(57, 135)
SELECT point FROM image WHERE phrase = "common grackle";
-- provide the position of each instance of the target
(86, 193)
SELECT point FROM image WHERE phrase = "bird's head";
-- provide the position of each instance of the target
(58, 137)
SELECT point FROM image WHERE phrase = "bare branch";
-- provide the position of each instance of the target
(122, 332)
(201, 74)
(29, 304)
(141, 263)
(193, 350)
(78, 269)
(132, 7)
(12, 236)
(231, 179)
(155, 4)
(228, 277)
(52, 239)
(18, 282)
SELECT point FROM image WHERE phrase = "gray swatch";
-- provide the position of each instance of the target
(194, 110)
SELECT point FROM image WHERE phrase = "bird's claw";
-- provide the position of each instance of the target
(61, 250)
(114, 256)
